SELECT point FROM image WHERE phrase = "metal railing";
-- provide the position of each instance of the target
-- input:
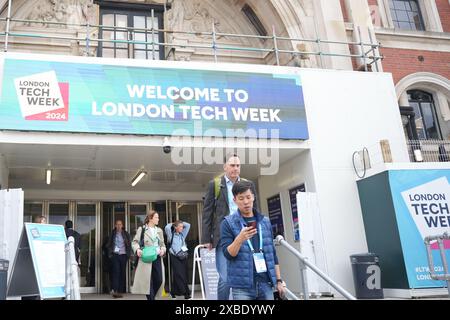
(368, 51)
(305, 263)
(72, 287)
(440, 240)
(429, 150)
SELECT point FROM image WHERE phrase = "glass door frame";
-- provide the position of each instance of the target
(127, 223)
(172, 218)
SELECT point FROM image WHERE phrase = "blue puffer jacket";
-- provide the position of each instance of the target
(240, 268)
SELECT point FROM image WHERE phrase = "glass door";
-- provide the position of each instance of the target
(111, 211)
(86, 225)
(32, 210)
(137, 213)
(188, 212)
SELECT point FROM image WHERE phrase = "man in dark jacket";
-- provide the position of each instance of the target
(119, 251)
(218, 204)
(77, 238)
(247, 243)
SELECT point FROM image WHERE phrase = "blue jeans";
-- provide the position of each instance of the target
(223, 290)
(261, 291)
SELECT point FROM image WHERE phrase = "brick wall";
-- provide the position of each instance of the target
(443, 7)
(402, 62)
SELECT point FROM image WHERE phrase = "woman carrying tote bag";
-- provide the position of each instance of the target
(176, 236)
(149, 275)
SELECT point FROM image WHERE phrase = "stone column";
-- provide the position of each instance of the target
(359, 15)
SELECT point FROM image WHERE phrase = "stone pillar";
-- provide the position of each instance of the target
(403, 101)
(330, 26)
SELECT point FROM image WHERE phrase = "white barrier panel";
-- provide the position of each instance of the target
(11, 223)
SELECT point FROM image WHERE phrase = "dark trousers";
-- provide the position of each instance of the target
(156, 279)
(179, 276)
(118, 277)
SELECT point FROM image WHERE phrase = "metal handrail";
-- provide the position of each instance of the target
(304, 261)
(197, 262)
(440, 240)
(290, 295)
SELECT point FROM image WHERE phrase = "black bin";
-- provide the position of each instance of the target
(366, 276)
(3, 278)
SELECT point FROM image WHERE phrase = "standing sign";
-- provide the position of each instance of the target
(276, 215)
(209, 273)
(40, 265)
(293, 198)
(422, 208)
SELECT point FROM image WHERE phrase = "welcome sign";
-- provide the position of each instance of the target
(64, 96)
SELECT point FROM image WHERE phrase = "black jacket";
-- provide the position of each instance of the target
(112, 243)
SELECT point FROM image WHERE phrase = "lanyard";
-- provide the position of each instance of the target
(260, 239)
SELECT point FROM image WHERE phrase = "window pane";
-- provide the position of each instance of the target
(139, 22)
(85, 225)
(139, 37)
(406, 14)
(429, 121)
(31, 211)
(140, 54)
(121, 53)
(108, 53)
(108, 20)
(418, 120)
(402, 16)
(155, 22)
(399, 5)
(58, 213)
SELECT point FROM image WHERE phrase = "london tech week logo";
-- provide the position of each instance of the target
(429, 206)
(42, 97)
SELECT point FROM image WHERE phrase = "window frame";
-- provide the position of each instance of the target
(433, 112)
(132, 10)
(421, 23)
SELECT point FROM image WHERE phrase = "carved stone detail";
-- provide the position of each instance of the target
(193, 16)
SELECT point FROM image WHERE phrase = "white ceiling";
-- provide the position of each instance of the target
(110, 168)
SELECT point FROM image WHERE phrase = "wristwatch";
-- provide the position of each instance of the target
(279, 280)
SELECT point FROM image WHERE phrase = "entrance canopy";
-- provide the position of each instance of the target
(106, 164)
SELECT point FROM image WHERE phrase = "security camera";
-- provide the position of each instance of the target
(166, 146)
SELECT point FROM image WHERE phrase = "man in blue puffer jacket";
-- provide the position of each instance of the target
(247, 243)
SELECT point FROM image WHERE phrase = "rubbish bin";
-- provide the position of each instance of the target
(3, 278)
(366, 276)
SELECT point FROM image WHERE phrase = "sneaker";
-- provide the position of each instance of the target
(173, 296)
(187, 297)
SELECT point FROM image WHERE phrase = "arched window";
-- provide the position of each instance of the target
(427, 126)
(406, 14)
